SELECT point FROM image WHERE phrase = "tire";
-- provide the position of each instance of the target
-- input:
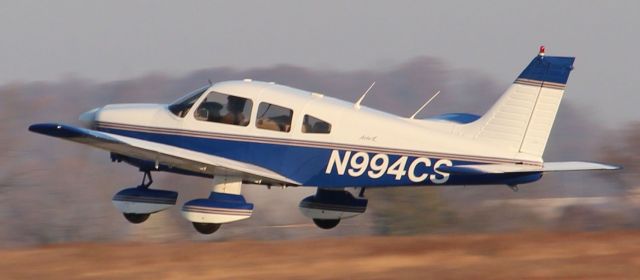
(136, 218)
(206, 228)
(326, 224)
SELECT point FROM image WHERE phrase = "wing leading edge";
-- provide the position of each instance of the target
(477, 169)
(162, 154)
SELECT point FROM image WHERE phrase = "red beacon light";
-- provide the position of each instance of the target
(541, 52)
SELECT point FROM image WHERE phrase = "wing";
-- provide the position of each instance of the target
(162, 154)
(476, 169)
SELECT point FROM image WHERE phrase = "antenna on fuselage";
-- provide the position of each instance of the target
(424, 105)
(210, 83)
(357, 105)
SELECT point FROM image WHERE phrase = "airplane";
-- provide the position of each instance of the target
(260, 133)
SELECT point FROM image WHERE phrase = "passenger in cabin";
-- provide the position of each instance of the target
(266, 123)
(321, 127)
(312, 124)
(235, 106)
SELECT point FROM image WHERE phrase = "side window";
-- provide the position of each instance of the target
(314, 125)
(274, 117)
(223, 108)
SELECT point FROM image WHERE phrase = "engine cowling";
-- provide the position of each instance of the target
(332, 205)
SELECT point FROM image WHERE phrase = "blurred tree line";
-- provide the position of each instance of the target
(623, 148)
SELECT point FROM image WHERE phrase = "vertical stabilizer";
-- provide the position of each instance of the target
(521, 120)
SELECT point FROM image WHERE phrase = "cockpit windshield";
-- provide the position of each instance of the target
(181, 106)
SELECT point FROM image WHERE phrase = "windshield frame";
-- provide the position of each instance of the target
(183, 105)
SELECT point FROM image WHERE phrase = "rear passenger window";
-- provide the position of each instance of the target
(314, 125)
(274, 117)
(224, 108)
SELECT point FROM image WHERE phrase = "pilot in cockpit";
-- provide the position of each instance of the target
(235, 108)
(209, 111)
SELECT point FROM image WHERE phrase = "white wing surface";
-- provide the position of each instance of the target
(163, 154)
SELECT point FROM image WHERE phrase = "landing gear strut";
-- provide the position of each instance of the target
(145, 184)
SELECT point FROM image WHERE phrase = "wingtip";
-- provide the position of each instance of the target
(43, 128)
(615, 167)
(606, 166)
(55, 130)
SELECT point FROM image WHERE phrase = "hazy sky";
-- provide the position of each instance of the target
(111, 40)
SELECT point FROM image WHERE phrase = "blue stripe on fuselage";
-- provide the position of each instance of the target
(308, 164)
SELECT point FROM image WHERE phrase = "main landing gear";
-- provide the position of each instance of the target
(206, 228)
(140, 218)
(327, 207)
(138, 203)
(326, 223)
(224, 205)
(136, 218)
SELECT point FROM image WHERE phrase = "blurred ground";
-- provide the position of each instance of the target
(525, 255)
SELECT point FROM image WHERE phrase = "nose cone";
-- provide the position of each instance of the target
(88, 118)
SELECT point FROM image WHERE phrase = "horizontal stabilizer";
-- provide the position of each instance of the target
(477, 169)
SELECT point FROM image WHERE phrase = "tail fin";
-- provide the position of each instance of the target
(522, 118)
